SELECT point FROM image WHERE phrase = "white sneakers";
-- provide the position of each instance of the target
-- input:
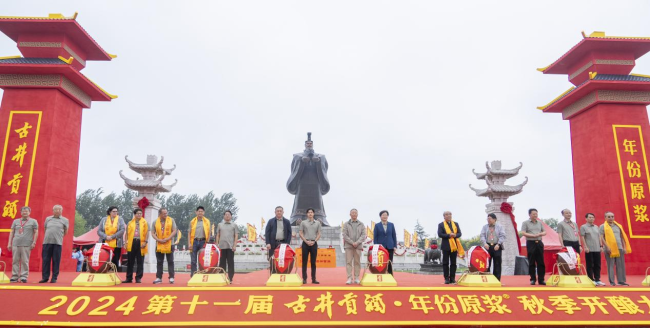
(357, 282)
(157, 281)
(349, 282)
(599, 283)
(171, 281)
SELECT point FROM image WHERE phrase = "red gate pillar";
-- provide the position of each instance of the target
(40, 121)
(609, 130)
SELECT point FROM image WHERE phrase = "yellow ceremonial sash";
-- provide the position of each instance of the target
(206, 229)
(166, 247)
(130, 232)
(110, 228)
(610, 240)
(454, 243)
(178, 236)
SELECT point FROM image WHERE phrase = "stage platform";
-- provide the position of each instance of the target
(418, 300)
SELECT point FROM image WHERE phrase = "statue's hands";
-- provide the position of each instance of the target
(315, 159)
(305, 159)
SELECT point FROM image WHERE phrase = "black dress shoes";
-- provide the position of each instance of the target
(53, 281)
(542, 283)
(315, 282)
(42, 281)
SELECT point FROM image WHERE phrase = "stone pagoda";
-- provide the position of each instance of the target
(498, 192)
(148, 188)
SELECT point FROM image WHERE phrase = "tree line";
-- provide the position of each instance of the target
(93, 203)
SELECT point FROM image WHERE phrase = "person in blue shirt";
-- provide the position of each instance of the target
(384, 234)
(78, 255)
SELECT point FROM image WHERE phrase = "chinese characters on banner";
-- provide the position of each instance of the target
(633, 167)
(17, 167)
(405, 306)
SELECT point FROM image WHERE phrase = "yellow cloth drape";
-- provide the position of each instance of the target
(130, 233)
(206, 229)
(165, 247)
(454, 243)
(178, 236)
(610, 240)
(110, 228)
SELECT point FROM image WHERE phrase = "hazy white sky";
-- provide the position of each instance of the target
(404, 98)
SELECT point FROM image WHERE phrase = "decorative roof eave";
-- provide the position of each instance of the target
(82, 81)
(632, 82)
(494, 189)
(491, 172)
(595, 36)
(94, 52)
(150, 167)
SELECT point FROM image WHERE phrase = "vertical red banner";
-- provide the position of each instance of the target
(635, 180)
(17, 166)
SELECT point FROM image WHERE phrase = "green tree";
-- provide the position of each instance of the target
(551, 223)
(80, 227)
(473, 241)
(89, 205)
(422, 234)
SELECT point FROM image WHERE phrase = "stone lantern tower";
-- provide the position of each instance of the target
(498, 193)
(149, 187)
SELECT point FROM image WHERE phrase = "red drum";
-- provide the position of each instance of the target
(478, 259)
(99, 258)
(378, 259)
(209, 257)
(283, 257)
(567, 261)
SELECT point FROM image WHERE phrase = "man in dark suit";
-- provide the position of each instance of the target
(384, 234)
(450, 233)
(278, 231)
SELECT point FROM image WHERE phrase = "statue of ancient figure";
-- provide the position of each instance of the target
(308, 181)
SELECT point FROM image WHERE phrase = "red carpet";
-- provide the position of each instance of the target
(419, 300)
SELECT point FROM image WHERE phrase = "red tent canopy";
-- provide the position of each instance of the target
(551, 246)
(89, 238)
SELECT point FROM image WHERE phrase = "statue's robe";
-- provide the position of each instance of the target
(308, 181)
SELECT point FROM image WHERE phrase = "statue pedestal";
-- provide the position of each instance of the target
(434, 268)
(510, 250)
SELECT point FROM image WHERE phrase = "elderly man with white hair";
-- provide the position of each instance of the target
(55, 227)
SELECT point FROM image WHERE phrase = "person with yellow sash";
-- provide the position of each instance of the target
(451, 247)
(111, 231)
(137, 232)
(163, 232)
(616, 245)
(198, 233)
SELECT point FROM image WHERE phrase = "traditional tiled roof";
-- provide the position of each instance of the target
(156, 167)
(599, 77)
(593, 36)
(40, 61)
(492, 171)
(57, 18)
(17, 60)
(500, 189)
(157, 184)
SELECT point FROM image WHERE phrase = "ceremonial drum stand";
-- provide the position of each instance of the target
(567, 276)
(282, 261)
(378, 275)
(210, 275)
(478, 273)
(102, 272)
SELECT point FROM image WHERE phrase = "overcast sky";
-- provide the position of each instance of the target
(404, 98)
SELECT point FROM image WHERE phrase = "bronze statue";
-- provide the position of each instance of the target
(308, 181)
